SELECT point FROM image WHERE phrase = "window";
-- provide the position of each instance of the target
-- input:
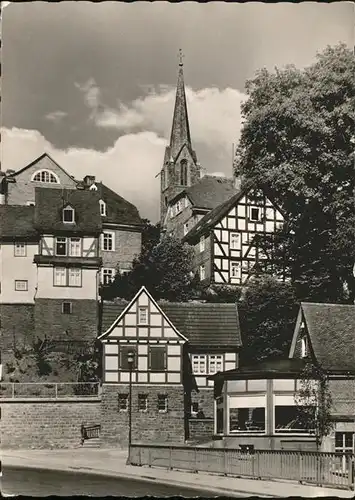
(215, 362)
(183, 172)
(75, 247)
(157, 358)
(20, 249)
(186, 228)
(68, 215)
(108, 241)
(67, 276)
(74, 276)
(194, 409)
(202, 272)
(199, 364)
(247, 420)
(304, 347)
(234, 241)
(21, 285)
(162, 403)
(61, 246)
(124, 351)
(142, 402)
(60, 276)
(344, 443)
(235, 268)
(107, 275)
(142, 315)
(288, 419)
(122, 402)
(67, 307)
(202, 243)
(45, 176)
(102, 208)
(254, 214)
(30, 203)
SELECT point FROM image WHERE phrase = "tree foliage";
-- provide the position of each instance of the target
(165, 269)
(267, 313)
(314, 402)
(297, 144)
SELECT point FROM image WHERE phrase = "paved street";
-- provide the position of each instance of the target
(41, 482)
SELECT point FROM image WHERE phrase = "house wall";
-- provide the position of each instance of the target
(81, 325)
(150, 426)
(128, 245)
(14, 268)
(203, 258)
(87, 291)
(23, 190)
(46, 424)
(175, 224)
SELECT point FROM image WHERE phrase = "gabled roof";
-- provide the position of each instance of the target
(270, 368)
(50, 203)
(16, 222)
(44, 155)
(118, 210)
(210, 219)
(203, 324)
(331, 330)
(209, 192)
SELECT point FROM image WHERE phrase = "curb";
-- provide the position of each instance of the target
(137, 477)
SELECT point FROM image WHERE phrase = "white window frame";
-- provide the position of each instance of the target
(58, 274)
(18, 287)
(68, 209)
(202, 243)
(140, 310)
(20, 249)
(252, 219)
(143, 397)
(235, 269)
(199, 360)
(121, 398)
(65, 240)
(75, 247)
(215, 360)
(102, 208)
(105, 237)
(304, 347)
(47, 174)
(234, 241)
(107, 272)
(165, 396)
(74, 279)
(202, 272)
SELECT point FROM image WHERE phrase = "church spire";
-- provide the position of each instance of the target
(180, 131)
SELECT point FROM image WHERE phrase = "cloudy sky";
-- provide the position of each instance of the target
(93, 84)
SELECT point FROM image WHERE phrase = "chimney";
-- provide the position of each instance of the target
(9, 172)
(89, 180)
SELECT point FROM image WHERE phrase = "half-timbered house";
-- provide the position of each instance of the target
(175, 346)
(227, 248)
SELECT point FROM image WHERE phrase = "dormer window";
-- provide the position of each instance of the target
(93, 187)
(68, 215)
(45, 176)
(102, 208)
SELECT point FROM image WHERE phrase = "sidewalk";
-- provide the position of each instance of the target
(112, 463)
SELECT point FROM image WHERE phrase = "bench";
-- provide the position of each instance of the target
(89, 432)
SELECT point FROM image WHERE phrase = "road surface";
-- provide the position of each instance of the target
(39, 482)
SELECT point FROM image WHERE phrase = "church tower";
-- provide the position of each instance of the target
(180, 168)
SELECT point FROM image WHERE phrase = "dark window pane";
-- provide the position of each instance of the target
(157, 358)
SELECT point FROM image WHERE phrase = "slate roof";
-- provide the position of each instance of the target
(270, 368)
(118, 210)
(204, 324)
(16, 222)
(331, 328)
(210, 191)
(50, 203)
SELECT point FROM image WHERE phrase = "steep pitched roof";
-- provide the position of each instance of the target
(331, 329)
(50, 203)
(37, 160)
(118, 210)
(16, 221)
(203, 324)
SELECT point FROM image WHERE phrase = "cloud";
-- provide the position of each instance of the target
(129, 167)
(56, 116)
(215, 114)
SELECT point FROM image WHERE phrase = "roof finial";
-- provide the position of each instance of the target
(181, 57)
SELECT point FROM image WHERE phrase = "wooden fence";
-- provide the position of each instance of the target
(322, 469)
